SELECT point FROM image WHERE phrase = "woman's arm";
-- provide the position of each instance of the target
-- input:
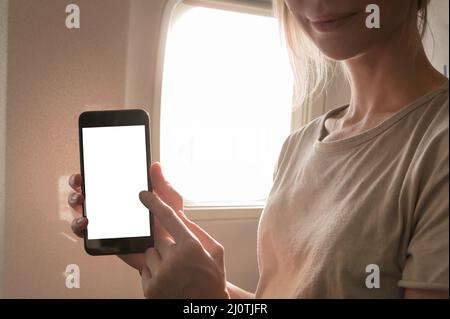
(238, 293)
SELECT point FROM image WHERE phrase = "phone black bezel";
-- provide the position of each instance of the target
(125, 117)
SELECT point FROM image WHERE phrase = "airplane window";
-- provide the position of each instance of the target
(226, 106)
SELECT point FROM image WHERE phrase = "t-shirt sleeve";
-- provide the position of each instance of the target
(427, 257)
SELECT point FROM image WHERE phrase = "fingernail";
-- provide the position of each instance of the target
(74, 198)
(142, 195)
(81, 220)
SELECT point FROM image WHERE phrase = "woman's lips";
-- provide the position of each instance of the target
(328, 24)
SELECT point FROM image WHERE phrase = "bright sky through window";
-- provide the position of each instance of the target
(227, 90)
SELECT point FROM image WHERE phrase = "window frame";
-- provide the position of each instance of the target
(170, 14)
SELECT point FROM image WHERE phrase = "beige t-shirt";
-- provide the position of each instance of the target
(377, 198)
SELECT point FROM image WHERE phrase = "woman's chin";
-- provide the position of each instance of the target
(343, 50)
(340, 55)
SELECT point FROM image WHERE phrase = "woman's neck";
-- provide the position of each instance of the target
(389, 77)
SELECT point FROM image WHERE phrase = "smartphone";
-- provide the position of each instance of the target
(115, 160)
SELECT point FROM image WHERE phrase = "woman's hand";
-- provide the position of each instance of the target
(186, 261)
(160, 186)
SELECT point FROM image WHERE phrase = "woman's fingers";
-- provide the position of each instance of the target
(137, 261)
(152, 260)
(79, 225)
(159, 229)
(213, 247)
(75, 201)
(75, 198)
(75, 182)
(148, 284)
(163, 189)
(179, 226)
(164, 244)
(166, 216)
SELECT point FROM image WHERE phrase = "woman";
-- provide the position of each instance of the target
(360, 192)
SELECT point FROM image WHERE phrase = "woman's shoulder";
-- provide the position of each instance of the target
(432, 124)
(297, 142)
(304, 136)
(431, 131)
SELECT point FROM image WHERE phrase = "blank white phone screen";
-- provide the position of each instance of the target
(115, 171)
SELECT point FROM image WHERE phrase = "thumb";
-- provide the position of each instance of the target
(163, 189)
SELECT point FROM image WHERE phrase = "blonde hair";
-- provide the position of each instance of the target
(311, 68)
